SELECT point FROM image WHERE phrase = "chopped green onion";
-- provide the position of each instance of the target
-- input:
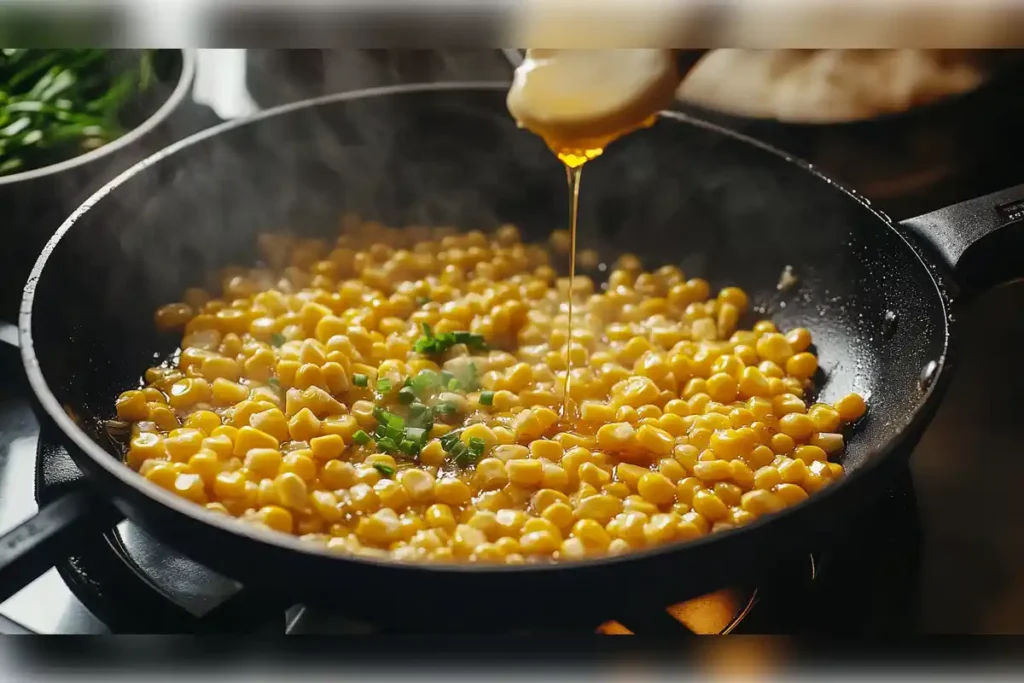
(473, 381)
(387, 445)
(277, 339)
(454, 384)
(486, 398)
(361, 438)
(417, 434)
(385, 470)
(446, 408)
(409, 447)
(446, 378)
(406, 395)
(431, 343)
(360, 380)
(477, 445)
(384, 386)
(425, 381)
(450, 439)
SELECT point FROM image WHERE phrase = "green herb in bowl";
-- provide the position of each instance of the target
(57, 104)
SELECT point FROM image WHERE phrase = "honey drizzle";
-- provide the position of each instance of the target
(573, 160)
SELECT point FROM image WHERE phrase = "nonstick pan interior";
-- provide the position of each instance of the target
(682, 193)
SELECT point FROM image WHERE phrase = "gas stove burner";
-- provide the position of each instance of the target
(717, 613)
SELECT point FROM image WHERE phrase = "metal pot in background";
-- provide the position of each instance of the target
(35, 202)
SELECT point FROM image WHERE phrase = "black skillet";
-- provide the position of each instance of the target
(877, 296)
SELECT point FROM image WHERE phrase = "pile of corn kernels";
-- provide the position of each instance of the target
(399, 394)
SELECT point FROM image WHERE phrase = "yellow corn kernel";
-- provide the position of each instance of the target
(131, 406)
(785, 403)
(182, 444)
(433, 454)
(592, 534)
(525, 472)
(802, 365)
(206, 464)
(592, 411)
(264, 462)
(276, 517)
(327, 447)
(190, 487)
(850, 407)
(810, 454)
(733, 443)
(418, 484)
(539, 543)
(554, 476)
(391, 494)
(146, 446)
(782, 444)
(686, 455)
(336, 474)
(249, 438)
(793, 471)
(379, 529)
(342, 425)
(572, 549)
(225, 392)
(272, 422)
(188, 392)
(325, 504)
(722, 387)
(303, 426)
(790, 494)
(452, 491)
(482, 432)
(752, 383)
(656, 488)
(363, 498)
(221, 444)
(546, 497)
(439, 516)
(636, 391)
(825, 418)
(796, 425)
(214, 367)
(709, 505)
(591, 473)
(291, 491)
(229, 485)
(204, 421)
(712, 470)
(558, 514)
(767, 477)
(617, 436)
(490, 474)
(655, 440)
(828, 442)
(760, 456)
(600, 508)
(547, 449)
(301, 463)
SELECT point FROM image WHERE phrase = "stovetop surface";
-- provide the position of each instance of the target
(941, 554)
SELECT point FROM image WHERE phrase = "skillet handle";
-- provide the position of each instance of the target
(981, 240)
(51, 535)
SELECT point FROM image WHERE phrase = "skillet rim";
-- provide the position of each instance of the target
(919, 417)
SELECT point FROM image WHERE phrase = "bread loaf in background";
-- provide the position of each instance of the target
(828, 86)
